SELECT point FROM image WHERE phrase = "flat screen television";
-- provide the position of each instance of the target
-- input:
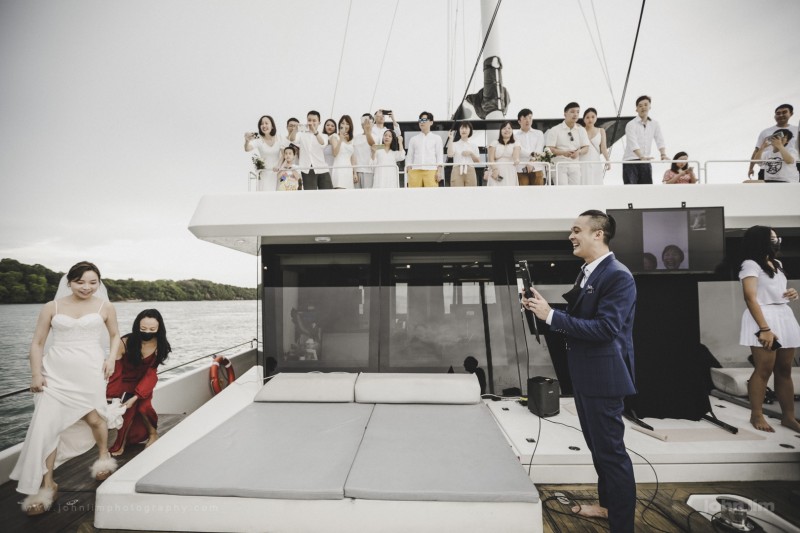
(669, 240)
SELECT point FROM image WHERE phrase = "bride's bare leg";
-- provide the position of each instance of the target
(105, 464)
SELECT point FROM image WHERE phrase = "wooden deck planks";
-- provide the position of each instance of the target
(73, 510)
(669, 511)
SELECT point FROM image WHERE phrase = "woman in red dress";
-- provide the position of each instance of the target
(134, 378)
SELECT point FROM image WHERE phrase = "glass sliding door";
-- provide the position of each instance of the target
(317, 311)
(443, 307)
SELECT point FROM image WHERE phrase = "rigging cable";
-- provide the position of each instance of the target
(385, 48)
(341, 56)
(478, 60)
(603, 53)
(603, 67)
(628, 75)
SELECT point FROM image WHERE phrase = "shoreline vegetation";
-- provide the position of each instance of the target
(28, 284)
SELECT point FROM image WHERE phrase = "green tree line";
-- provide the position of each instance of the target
(21, 283)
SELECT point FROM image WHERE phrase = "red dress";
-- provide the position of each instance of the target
(139, 380)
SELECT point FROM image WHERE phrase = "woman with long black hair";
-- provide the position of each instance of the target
(769, 327)
(140, 353)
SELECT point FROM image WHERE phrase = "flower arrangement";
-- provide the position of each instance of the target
(258, 163)
(545, 156)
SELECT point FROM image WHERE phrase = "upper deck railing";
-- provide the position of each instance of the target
(551, 169)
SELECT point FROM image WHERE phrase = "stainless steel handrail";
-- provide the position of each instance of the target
(634, 162)
(756, 161)
(252, 174)
(251, 342)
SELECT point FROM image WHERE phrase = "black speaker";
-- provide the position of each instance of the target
(543, 396)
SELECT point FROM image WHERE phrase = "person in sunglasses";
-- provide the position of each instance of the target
(568, 141)
(425, 157)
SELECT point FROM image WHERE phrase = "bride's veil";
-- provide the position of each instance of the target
(64, 290)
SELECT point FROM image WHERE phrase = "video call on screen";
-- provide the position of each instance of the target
(677, 240)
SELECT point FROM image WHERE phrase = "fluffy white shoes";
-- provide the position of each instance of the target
(36, 504)
(103, 468)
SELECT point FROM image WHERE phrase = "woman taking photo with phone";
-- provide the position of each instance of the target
(140, 353)
(769, 327)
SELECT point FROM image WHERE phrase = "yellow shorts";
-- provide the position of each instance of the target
(422, 178)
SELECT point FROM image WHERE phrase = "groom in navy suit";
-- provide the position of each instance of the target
(598, 325)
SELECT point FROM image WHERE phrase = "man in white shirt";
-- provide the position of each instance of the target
(568, 141)
(380, 125)
(425, 156)
(640, 133)
(782, 115)
(311, 142)
(530, 141)
(362, 147)
(779, 149)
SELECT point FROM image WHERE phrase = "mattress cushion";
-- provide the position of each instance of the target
(452, 453)
(308, 387)
(269, 450)
(417, 388)
(734, 380)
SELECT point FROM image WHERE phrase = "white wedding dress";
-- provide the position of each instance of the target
(73, 370)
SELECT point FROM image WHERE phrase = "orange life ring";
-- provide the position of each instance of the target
(213, 372)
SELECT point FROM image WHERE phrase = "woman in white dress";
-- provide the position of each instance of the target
(329, 129)
(504, 152)
(465, 154)
(385, 157)
(269, 146)
(68, 383)
(343, 174)
(769, 327)
(593, 174)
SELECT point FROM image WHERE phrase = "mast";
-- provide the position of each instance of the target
(495, 95)
(491, 102)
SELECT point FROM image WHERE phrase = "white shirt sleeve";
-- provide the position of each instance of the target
(659, 137)
(750, 269)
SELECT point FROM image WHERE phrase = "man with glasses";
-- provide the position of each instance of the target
(640, 133)
(568, 141)
(782, 115)
(425, 156)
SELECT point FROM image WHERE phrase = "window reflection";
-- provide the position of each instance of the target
(322, 306)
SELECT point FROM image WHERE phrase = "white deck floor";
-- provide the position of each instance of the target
(750, 455)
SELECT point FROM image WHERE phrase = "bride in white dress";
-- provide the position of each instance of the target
(593, 174)
(69, 386)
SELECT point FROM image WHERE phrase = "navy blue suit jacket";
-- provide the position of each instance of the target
(599, 331)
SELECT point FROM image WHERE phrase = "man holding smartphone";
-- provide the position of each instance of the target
(598, 325)
(312, 163)
(380, 124)
(783, 113)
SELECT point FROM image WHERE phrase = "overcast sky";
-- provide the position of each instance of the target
(116, 117)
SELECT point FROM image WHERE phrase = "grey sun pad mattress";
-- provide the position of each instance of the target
(269, 450)
(437, 453)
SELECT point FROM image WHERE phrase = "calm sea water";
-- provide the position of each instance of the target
(194, 329)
